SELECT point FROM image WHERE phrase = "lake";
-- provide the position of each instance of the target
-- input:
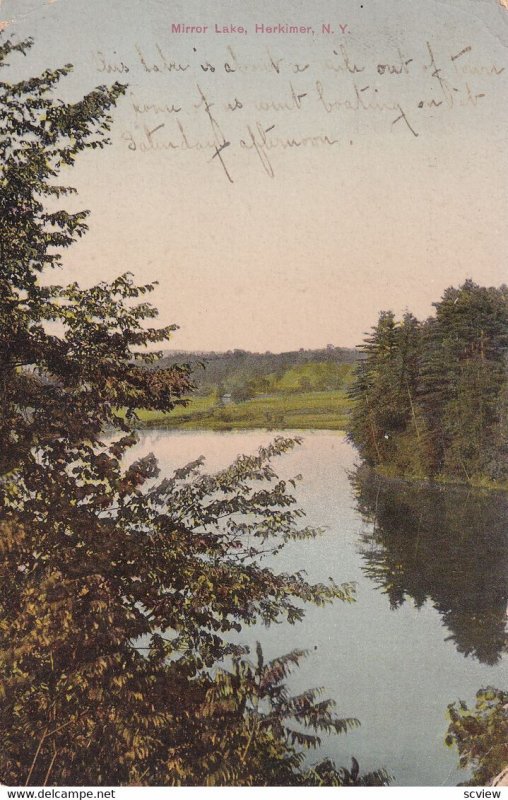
(428, 624)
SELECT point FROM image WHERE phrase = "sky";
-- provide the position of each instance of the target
(284, 187)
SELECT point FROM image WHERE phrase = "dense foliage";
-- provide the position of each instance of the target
(431, 398)
(245, 374)
(119, 595)
(481, 735)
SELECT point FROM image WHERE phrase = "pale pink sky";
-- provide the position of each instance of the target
(382, 219)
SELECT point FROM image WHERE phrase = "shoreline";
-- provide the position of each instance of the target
(218, 426)
(439, 482)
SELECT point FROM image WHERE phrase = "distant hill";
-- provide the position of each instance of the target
(240, 372)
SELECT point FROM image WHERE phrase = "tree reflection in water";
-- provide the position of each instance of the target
(447, 545)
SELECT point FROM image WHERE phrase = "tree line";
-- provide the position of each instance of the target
(430, 399)
(245, 374)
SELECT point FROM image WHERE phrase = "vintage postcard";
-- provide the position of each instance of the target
(253, 393)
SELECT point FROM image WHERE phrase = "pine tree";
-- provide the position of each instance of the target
(463, 382)
(384, 394)
(431, 400)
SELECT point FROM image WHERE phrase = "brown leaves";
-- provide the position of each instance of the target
(117, 594)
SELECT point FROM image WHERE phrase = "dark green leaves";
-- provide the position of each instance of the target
(481, 734)
(430, 399)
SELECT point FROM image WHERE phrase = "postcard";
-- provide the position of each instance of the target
(254, 414)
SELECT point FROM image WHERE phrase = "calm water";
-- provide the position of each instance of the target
(428, 626)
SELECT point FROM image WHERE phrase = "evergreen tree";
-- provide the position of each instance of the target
(431, 399)
(463, 382)
(372, 393)
(384, 393)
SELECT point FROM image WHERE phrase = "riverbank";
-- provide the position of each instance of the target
(388, 474)
(327, 410)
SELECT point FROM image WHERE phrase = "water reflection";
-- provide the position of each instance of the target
(446, 545)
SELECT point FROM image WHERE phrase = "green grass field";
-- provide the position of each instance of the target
(319, 410)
